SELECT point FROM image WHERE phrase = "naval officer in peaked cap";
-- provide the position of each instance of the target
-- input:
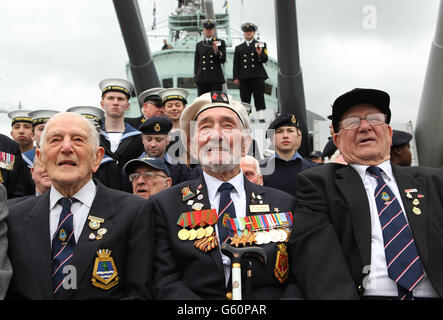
(187, 267)
(151, 105)
(121, 141)
(248, 70)
(210, 55)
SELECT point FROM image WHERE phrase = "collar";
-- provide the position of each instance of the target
(129, 131)
(385, 166)
(213, 184)
(295, 156)
(85, 195)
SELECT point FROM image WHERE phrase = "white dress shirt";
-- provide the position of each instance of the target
(378, 282)
(238, 196)
(80, 208)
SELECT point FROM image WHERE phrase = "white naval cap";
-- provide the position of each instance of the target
(41, 116)
(150, 94)
(174, 94)
(20, 115)
(91, 113)
(113, 84)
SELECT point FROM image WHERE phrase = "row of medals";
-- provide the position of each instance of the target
(205, 238)
(261, 237)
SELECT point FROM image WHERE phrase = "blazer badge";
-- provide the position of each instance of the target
(104, 273)
(281, 270)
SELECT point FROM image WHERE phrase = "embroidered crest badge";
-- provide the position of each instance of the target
(104, 273)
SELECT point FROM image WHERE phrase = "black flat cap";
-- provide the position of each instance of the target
(156, 125)
(378, 98)
(285, 119)
(400, 138)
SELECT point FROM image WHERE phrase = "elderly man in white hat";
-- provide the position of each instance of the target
(193, 218)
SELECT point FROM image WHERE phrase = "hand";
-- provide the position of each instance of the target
(214, 46)
(258, 49)
(236, 82)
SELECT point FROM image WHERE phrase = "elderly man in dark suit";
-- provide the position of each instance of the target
(79, 240)
(369, 229)
(193, 218)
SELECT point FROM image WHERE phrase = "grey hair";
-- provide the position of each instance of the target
(93, 135)
(249, 158)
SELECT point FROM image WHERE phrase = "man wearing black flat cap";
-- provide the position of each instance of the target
(280, 170)
(210, 54)
(401, 150)
(248, 70)
(369, 229)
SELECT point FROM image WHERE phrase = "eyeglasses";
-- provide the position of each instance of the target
(147, 176)
(374, 119)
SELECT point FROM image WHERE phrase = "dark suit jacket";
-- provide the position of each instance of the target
(247, 63)
(17, 180)
(13, 201)
(331, 238)
(129, 236)
(184, 272)
(207, 64)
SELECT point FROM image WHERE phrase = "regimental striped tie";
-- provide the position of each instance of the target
(402, 259)
(226, 209)
(63, 245)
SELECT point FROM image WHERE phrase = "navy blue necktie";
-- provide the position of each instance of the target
(226, 210)
(404, 264)
(63, 245)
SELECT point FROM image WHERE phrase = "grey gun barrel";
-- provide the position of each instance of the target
(141, 63)
(429, 128)
(291, 97)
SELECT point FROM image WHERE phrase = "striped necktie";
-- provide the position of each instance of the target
(226, 210)
(402, 259)
(63, 245)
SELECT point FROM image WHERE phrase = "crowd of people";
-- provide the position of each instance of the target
(94, 205)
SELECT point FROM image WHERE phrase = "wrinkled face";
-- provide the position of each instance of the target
(115, 104)
(219, 141)
(173, 109)
(21, 133)
(41, 179)
(366, 145)
(67, 153)
(149, 181)
(155, 144)
(150, 110)
(287, 139)
(250, 171)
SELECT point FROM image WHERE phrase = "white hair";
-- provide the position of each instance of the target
(93, 135)
(250, 159)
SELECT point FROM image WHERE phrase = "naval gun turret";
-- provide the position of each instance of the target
(429, 128)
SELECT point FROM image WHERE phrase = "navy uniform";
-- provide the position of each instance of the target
(108, 173)
(284, 175)
(38, 117)
(116, 236)
(151, 96)
(14, 173)
(130, 145)
(208, 73)
(248, 68)
(179, 172)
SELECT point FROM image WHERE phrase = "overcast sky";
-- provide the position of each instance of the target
(54, 52)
